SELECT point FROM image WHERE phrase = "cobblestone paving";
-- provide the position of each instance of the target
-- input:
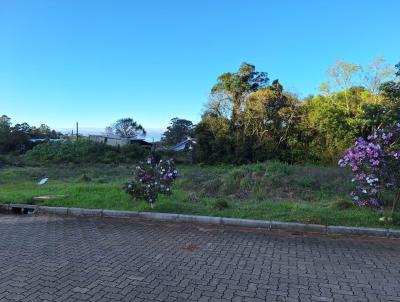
(69, 259)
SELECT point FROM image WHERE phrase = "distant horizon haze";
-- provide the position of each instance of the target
(151, 133)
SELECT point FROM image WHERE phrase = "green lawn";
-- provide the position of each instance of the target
(272, 191)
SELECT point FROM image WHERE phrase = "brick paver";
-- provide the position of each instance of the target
(69, 259)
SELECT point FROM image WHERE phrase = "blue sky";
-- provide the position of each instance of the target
(97, 61)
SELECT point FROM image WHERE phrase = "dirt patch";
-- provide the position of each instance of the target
(190, 247)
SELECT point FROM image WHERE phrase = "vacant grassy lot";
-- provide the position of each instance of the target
(271, 190)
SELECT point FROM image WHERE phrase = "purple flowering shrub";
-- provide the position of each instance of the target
(152, 178)
(375, 163)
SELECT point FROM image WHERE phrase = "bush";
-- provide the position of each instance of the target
(4, 161)
(375, 163)
(220, 204)
(152, 178)
(160, 154)
(133, 152)
(83, 151)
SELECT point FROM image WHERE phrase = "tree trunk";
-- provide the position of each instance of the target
(236, 112)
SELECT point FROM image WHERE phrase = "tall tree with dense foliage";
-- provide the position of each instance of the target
(335, 120)
(221, 129)
(269, 117)
(16, 138)
(179, 130)
(126, 127)
(390, 91)
(338, 117)
(235, 87)
(5, 131)
(215, 142)
(247, 120)
(13, 138)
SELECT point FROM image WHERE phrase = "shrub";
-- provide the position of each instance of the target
(4, 161)
(152, 178)
(83, 151)
(375, 163)
(220, 204)
(160, 154)
(133, 152)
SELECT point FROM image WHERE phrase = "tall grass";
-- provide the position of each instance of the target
(271, 191)
(268, 180)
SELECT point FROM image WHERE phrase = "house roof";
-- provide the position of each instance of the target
(140, 141)
(107, 136)
(40, 140)
(182, 143)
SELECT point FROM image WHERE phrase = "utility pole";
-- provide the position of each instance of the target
(77, 133)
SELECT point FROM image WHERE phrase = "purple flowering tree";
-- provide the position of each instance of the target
(152, 178)
(375, 163)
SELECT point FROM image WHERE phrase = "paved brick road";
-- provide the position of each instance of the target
(67, 259)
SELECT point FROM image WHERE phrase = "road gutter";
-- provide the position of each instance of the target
(251, 223)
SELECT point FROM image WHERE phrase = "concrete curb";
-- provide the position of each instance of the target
(394, 233)
(251, 223)
(377, 232)
(121, 214)
(54, 210)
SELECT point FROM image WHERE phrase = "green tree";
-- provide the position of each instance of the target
(43, 131)
(391, 99)
(335, 120)
(234, 87)
(215, 142)
(126, 127)
(5, 123)
(5, 132)
(266, 129)
(342, 75)
(269, 117)
(13, 138)
(178, 131)
(246, 123)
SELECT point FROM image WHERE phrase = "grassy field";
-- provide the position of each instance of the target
(271, 191)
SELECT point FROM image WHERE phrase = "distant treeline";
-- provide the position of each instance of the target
(249, 119)
(16, 138)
